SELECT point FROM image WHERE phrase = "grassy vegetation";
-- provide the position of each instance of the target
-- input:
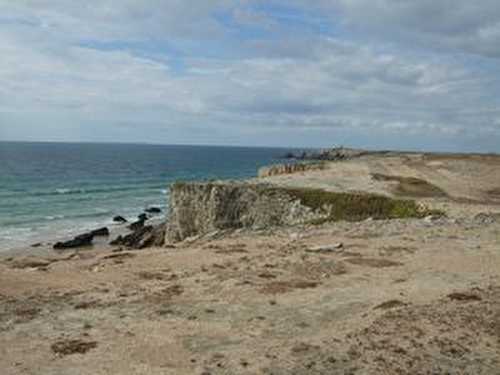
(356, 207)
(412, 186)
(347, 206)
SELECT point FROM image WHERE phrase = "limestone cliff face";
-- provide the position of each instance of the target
(200, 208)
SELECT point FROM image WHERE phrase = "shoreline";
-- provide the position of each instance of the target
(102, 242)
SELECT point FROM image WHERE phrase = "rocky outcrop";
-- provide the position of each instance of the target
(153, 210)
(202, 208)
(82, 240)
(281, 169)
(147, 236)
(199, 208)
(332, 154)
(119, 219)
(137, 224)
(101, 232)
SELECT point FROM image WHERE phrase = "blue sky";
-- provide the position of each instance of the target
(373, 73)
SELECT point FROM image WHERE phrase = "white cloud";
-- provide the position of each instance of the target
(461, 25)
(53, 68)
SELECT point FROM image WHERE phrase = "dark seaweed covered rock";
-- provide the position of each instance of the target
(119, 219)
(79, 241)
(147, 236)
(136, 225)
(100, 232)
(153, 210)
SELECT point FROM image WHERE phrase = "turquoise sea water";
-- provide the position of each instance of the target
(53, 190)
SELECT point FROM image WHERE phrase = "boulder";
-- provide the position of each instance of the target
(79, 241)
(100, 232)
(136, 225)
(119, 219)
(147, 236)
(153, 238)
(133, 239)
(142, 217)
(153, 210)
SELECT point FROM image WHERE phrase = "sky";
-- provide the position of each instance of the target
(400, 74)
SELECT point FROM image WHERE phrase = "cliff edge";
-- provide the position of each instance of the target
(198, 208)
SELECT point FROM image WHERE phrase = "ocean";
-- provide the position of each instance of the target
(51, 191)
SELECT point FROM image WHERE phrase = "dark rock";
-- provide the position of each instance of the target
(136, 225)
(133, 239)
(116, 242)
(153, 210)
(100, 232)
(154, 238)
(38, 244)
(142, 217)
(119, 219)
(79, 241)
(147, 236)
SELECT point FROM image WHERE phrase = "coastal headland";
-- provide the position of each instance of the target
(350, 262)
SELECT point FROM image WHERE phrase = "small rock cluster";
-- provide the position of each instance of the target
(142, 235)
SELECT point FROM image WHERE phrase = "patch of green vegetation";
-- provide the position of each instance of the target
(412, 186)
(356, 206)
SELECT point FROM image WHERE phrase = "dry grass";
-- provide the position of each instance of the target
(393, 303)
(412, 186)
(280, 287)
(87, 305)
(373, 262)
(319, 270)
(494, 193)
(151, 275)
(165, 295)
(396, 250)
(464, 297)
(68, 347)
(24, 314)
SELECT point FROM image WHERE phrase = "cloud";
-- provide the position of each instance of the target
(250, 72)
(460, 25)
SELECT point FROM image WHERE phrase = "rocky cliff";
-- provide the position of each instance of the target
(281, 169)
(331, 154)
(200, 208)
(197, 208)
